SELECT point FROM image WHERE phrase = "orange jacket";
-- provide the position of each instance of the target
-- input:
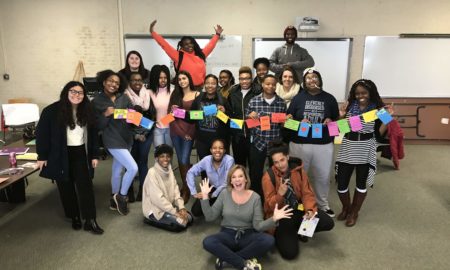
(191, 62)
(300, 183)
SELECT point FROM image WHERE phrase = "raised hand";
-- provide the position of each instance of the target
(343, 109)
(218, 29)
(152, 26)
(205, 188)
(281, 213)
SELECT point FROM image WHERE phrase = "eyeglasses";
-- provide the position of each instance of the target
(313, 79)
(245, 79)
(76, 93)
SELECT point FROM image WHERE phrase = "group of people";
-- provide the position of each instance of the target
(276, 199)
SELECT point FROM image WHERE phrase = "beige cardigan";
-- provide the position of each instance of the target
(160, 192)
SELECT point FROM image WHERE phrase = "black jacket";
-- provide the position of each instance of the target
(236, 105)
(51, 145)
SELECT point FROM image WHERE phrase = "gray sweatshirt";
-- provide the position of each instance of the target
(295, 56)
(237, 216)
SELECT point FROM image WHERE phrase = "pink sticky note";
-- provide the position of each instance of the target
(179, 113)
(333, 129)
(355, 123)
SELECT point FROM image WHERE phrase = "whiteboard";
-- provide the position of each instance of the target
(226, 55)
(408, 67)
(331, 57)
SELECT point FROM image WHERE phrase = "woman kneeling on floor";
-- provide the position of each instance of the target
(161, 202)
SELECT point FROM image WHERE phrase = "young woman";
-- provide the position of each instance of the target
(290, 186)
(261, 66)
(160, 92)
(134, 63)
(67, 148)
(288, 85)
(358, 149)
(226, 80)
(193, 57)
(314, 106)
(161, 203)
(215, 167)
(263, 105)
(241, 238)
(182, 131)
(140, 98)
(210, 128)
(117, 135)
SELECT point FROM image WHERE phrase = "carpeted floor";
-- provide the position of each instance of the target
(404, 224)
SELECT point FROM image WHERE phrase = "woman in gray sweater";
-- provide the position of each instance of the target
(241, 238)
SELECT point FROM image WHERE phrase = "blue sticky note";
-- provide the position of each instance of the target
(146, 123)
(303, 130)
(317, 131)
(210, 110)
(384, 116)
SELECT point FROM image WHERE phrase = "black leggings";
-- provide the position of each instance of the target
(344, 172)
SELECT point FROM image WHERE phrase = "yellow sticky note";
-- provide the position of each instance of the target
(370, 116)
(338, 139)
(300, 207)
(120, 114)
(222, 117)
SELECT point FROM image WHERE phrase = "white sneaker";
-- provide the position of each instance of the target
(252, 264)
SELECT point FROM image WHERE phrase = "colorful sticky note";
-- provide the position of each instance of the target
(196, 115)
(166, 120)
(120, 113)
(146, 123)
(355, 123)
(343, 126)
(222, 117)
(384, 116)
(210, 110)
(251, 123)
(179, 113)
(303, 130)
(236, 123)
(317, 131)
(338, 139)
(278, 117)
(370, 116)
(333, 129)
(265, 122)
(134, 117)
(292, 124)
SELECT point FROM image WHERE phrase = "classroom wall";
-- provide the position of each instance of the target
(43, 40)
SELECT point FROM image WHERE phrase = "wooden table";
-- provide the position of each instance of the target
(13, 189)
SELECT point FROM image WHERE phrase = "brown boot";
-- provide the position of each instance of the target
(346, 207)
(184, 191)
(358, 199)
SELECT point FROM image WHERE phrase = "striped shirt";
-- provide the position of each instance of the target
(257, 104)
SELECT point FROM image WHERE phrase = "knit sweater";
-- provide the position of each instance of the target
(160, 192)
(293, 55)
(191, 62)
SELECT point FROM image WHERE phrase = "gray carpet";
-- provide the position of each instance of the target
(404, 224)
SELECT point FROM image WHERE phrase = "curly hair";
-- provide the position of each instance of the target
(370, 86)
(104, 75)
(84, 114)
(197, 50)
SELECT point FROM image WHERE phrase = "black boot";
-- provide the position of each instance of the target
(139, 195)
(131, 198)
(76, 223)
(92, 226)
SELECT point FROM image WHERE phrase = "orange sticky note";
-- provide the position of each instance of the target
(166, 120)
(134, 117)
(251, 123)
(265, 122)
(278, 117)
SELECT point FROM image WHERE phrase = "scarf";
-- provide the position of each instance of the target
(142, 100)
(287, 96)
(355, 110)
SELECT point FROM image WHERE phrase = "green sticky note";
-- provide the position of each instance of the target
(292, 124)
(196, 115)
(343, 126)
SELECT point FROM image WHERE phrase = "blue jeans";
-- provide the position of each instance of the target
(168, 222)
(122, 159)
(140, 153)
(236, 250)
(161, 135)
(183, 148)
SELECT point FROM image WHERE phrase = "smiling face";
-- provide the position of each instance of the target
(162, 82)
(164, 160)
(269, 85)
(238, 180)
(136, 82)
(210, 86)
(224, 79)
(280, 161)
(134, 61)
(245, 80)
(217, 151)
(183, 81)
(312, 81)
(76, 95)
(261, 70)
(290, 36)
(362, 95)
(187, 45)
(111, 84)
(287, 79)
